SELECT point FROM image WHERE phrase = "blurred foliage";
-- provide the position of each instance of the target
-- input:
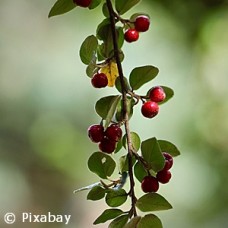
(47, 104)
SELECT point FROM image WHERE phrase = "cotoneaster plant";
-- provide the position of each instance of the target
(147, 162)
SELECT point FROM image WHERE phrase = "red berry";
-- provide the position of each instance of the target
(149, 184)
(168, 161)
(82, 3)
(113, 132)
(164, 176)
(131, 35)
(150, 109)
(142, 23)
(99, 80)
(157, 94)
(106, 145)
(96, 133)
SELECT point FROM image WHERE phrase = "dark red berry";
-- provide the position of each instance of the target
(157, 94)
(106, 145)
(142, 23)
(131, 35)
(168, 161)
(150, 109)
(96, 133)
(113, 132)
(99, 80)
(149, 184)
(164, 176)
(82, 3)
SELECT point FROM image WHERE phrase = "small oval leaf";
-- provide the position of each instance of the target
(115, 198)
(139, 171)
(152, 202)
(119, 222)
(168, 147)
(150, 221)
(123, 6)
(135, 140)
(133, 222)
(96, 193)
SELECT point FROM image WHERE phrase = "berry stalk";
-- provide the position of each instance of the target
(124, 110)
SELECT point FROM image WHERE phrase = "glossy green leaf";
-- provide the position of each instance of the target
(141, 75)
(133, 222)
(118, 147)
(115, 198)
(135, 140)
(101, 164)
(119, 222)
(152, 154)
(139, 171)
(94, 4)
(96, 193)
(88, 49)
(61, 7)
(152, 202)
(106, 107)
(169, 94)
(168, 147)
(123, 6)
(123, 163)
(150, 221)
(108, 215)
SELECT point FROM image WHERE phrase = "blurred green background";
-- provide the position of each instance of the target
(47, 104)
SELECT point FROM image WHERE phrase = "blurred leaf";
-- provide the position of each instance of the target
(168, 147)
(123, 163)
(108, 215)
(169, 94)
(118, 147)
(88, 49)
(101, 164)
(135, 140)
(119, 222)
(96, 193)
(94, 4)
(106, 107)
(119, 113)
(152, 202)
(141, 75)
(105, 10)
(123, 6)
(133, 223)
(115, 198)
(150, 221)
(92, 67)
(118, 84)
(61, 7)
(152, 154)
(139, 171)
(111, 72)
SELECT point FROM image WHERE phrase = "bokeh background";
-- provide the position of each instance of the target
(47, 104)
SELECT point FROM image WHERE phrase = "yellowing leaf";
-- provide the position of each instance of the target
(112, 73)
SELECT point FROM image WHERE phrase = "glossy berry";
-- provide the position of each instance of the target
(82, 3)
(106, 145)
(113, 132)
(168, 161)
(149, 184)
(99, 80)
(164, 176)
(131, 35)
(96, 133)
(142, 23)
(157, 94)
(150, 109)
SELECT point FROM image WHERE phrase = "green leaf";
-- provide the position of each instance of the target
(123, 6)
(123, 163)
(108, 215)
(133, 223)
(105, 10)
(119, 113)
(88, 49)
(152, 202)
(115, 198)
(96, 193)
(101, 164)
(94, 4)
(118, 84)
(169, 94)
(92, 67)
(135, 140)
(150, 221)
(139, 171)
(61, 7)
(106, 107)
(152, 154)
(118, 147)
(119, 222)
(168, 147)
(141, 75)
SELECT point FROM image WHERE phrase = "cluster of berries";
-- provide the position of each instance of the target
(150, 108)
(141, 24)
(107, 139)
(151, 183)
